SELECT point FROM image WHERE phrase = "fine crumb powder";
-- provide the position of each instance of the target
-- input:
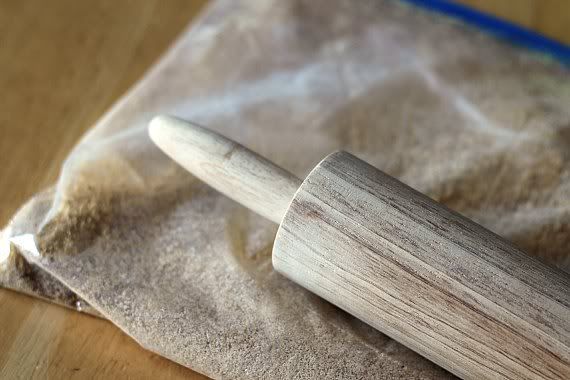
(17, 273)
(473, 123)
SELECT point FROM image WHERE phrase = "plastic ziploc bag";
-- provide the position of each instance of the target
(127, 234)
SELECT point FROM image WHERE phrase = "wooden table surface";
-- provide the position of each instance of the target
(61, 68)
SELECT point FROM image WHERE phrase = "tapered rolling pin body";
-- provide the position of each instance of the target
(426, 276)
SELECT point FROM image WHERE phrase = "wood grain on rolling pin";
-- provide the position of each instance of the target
(428, 277)
(425, 275)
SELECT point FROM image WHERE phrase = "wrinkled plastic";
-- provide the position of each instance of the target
(472, 122)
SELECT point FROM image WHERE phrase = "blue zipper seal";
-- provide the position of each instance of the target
(515, 34)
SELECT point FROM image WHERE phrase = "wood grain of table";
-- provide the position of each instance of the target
(551, 18)
(62, 66)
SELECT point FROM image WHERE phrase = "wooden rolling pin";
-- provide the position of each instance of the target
(421, 273)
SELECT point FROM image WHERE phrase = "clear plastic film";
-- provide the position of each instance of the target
(128, 235)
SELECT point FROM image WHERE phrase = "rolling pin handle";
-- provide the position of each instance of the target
(227, 166)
